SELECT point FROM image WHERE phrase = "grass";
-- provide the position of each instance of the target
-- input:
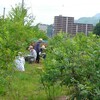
(26, 85)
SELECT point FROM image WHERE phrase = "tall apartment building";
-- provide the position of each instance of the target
(67, 25)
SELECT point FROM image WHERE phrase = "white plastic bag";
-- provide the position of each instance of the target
(20, 62)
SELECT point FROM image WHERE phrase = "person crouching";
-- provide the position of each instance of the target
(33, 54)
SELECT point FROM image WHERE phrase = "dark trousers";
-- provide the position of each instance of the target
(38, 57)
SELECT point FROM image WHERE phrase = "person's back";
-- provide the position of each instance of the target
(33, 53)
(37, 48)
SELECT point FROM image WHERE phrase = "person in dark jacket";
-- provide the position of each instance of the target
(37, 48)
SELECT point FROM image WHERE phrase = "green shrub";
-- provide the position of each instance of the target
(75, 63)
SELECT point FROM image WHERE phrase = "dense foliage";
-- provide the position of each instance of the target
(16, 31)
(74, 62)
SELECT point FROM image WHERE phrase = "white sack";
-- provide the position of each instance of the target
(20, 62)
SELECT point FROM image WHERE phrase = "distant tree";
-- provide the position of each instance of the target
(97, 29)
(50, 30)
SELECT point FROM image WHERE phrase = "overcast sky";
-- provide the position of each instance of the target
(45, 10)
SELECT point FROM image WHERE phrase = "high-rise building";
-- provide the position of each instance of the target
(67, 25)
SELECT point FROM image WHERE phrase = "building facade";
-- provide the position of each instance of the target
(67, 25)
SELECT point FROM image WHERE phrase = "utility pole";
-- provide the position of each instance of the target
(22, 10)
(22, 4)
(3, 13)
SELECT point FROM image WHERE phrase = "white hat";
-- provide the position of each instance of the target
(40, 39)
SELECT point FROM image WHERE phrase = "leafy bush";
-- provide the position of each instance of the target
(75, 63)
(15, 34)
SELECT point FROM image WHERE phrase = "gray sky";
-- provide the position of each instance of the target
(45, 10)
